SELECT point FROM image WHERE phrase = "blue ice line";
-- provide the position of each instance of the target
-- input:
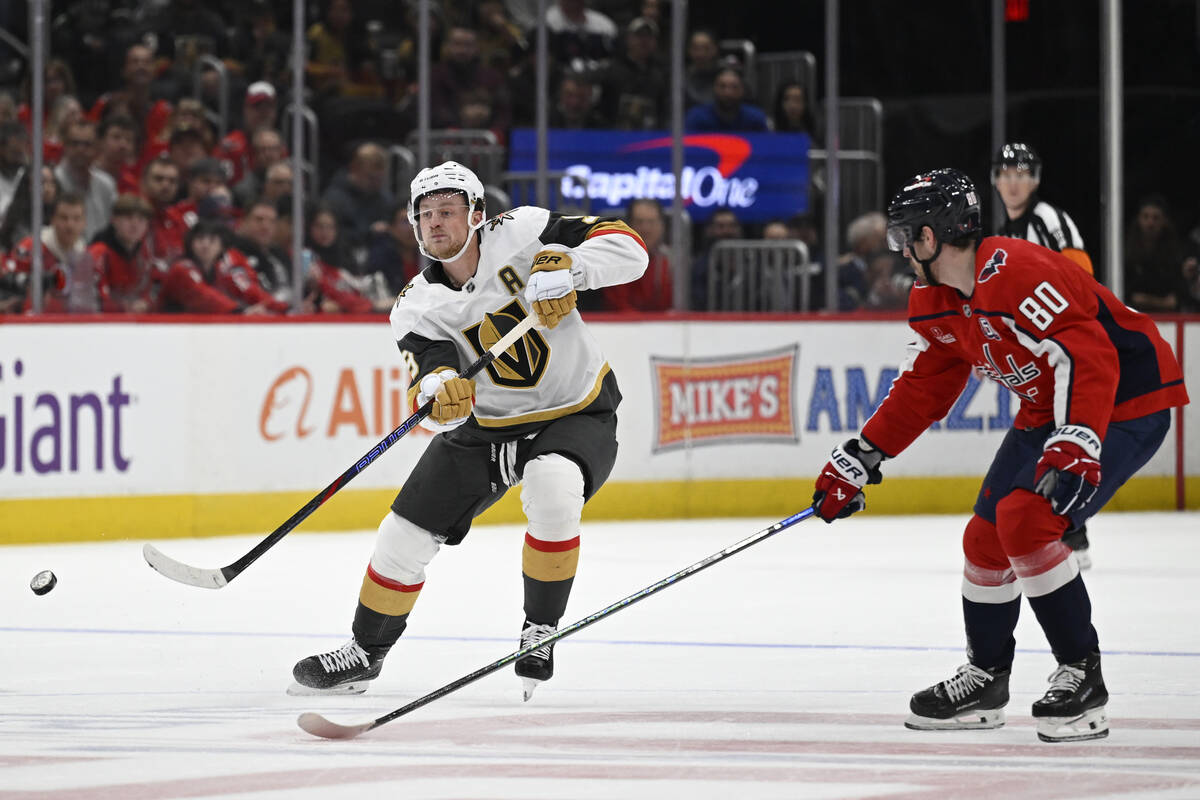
(636, 642)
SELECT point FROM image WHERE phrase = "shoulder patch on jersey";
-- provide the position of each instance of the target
(498, 220)
(993, 265)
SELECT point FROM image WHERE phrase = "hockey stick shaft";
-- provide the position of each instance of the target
(208, 579)
(319, 726)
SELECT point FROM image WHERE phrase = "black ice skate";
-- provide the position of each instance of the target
(1073, 709)
(538, 666)
(973, 699)
(346, 670)
(1077, 540)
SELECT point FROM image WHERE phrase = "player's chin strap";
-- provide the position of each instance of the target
(463, 249)
(927, 265)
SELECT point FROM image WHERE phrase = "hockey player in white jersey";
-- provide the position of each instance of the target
(543, 414)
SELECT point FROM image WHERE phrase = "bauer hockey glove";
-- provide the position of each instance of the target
(453, 398)
(839, 488)
(1068, 473)
(551, 289)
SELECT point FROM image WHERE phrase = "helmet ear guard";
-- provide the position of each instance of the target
(449, 176)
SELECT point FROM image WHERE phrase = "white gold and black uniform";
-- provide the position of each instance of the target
(1046, 225)
(551, 392)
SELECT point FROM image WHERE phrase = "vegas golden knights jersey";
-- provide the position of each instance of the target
(548, 373)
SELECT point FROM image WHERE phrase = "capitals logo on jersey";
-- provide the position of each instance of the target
(520, 366)
(993, 265)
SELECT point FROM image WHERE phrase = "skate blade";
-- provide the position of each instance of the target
(1091, 724)
(527, 687)
(977, 720)
(354, 687)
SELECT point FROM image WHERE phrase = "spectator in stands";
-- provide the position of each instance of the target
(776, 230)
(77, 176)
(19, 217)
(277, 182)
(1154, 255)
(256, 240)
(259, 50)
(804, 227)
(580, 37)
(722, 225)
(461, 71)
(259, 112)
(332, 285)
(88, 34)
(65, 113)
(576, 106)
(357, 196)
(188, 113)
(890, 279)
(866, 236)
(204, 178)
(186, 30)
(69, 279)
(128, 275)
(185, 147)
(8, 107)
(393, 251)
(160, 186)
(267, 151)
(653, 291)
(703, 56)
(59, 82)
(793, 112)
(14, 160)
(728, 111)
(134, 98)
(339, 63)
(212, 279)
(117, 134)
(635, 83)
(501, 42)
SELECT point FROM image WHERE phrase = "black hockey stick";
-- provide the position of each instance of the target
(216, 578)
(317, 725)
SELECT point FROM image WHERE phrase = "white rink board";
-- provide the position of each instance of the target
(246, 407)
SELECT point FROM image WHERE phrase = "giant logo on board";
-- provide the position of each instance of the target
(725, 400)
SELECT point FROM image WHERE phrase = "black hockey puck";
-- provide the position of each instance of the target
(43, 582)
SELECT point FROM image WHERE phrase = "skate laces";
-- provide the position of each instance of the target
(1066, 678)
(344, 657)
(968, 679)
(534, 633)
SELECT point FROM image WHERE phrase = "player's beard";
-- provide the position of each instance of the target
(446, 248)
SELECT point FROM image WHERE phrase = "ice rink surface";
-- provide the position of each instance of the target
(782, 672)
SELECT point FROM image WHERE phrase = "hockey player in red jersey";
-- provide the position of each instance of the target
(1096, 383)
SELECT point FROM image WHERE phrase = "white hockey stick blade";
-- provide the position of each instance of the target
(183, 573)
(319, 726)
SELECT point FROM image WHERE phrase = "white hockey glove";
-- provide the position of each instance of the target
(551, 289)
(453, 398)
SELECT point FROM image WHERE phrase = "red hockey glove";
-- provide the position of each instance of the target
(1068, 473)
(839, 489)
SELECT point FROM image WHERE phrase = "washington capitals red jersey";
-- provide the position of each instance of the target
(1042, 327)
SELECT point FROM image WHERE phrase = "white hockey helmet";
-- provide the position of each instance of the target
(449, 176)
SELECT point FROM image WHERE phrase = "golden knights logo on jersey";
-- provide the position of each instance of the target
(520, 366)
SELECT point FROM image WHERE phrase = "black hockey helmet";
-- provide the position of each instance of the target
(1019, 156)
(944, 200)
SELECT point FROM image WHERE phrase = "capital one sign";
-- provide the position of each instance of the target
(759, 176)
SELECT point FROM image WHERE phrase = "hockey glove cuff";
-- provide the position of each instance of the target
(551, 287)
(839, 488)
(453, 399)
(1068, 473)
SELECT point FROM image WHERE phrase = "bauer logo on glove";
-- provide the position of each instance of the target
(551, 287)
